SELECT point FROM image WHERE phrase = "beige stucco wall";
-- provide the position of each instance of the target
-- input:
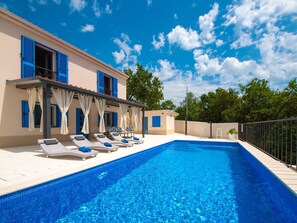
(202, 129)
(167, 122)
(82, 72)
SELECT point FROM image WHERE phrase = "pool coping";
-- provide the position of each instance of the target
(285, 174)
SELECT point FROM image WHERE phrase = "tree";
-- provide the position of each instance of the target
(257, 101)
(286, 101)
(192, 108)
(143, 87)
(168, 105)
(219, 106)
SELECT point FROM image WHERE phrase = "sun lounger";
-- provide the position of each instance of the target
(116, 136)
(103, 139)
(52, 147)
(81, 141)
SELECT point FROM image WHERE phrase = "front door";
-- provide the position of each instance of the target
(80, 122)
(145, 125)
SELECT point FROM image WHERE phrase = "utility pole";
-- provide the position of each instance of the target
(186, 117)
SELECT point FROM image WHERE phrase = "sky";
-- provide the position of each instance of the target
(196, 44)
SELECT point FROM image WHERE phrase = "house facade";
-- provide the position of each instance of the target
(31, 58)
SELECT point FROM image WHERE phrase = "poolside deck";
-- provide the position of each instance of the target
(22, 167)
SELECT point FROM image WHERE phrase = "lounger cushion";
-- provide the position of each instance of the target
(50, 142)
(84, 149)
(136, 138)
(79, 137)
(115, 134)
(101, 136)
(107, 144)
(125, 141)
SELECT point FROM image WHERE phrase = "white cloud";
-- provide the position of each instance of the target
(175, 17)
(77, 5)
(127, 55)
(206, 24)
(96, 9)
(219, 42)
(149, 2)
(108, 9)
(88, 28)
(138, 48)
(230, 70)
(166, 71)
(119, 56)
(187, 39)
(159, 44)
(249, 16)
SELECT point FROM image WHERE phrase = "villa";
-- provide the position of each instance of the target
(51, 89)
(35, 61)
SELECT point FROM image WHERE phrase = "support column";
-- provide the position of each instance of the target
(46, 111)
(143, 123)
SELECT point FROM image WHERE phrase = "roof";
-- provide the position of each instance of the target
(166, 112)
(41, 32)
(38, 81)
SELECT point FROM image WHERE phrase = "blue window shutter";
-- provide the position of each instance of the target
(100, 82)
(25, 114)
(62, 67)
(114, 87)
(28, 57)
(114, 119)
(59, 116)
(156, 121)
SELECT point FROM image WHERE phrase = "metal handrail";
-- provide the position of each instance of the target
(277, 138)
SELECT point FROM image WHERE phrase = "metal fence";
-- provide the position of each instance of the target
(277, 138)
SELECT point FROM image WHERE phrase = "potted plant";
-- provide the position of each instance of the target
(232, 132)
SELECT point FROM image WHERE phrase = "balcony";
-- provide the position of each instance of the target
(43, 72)
(107, 91)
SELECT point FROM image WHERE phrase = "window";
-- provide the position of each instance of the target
(106, 84)
(56, 115)
(110, 119)
(44, 63)
(40, 60)
(156, 121)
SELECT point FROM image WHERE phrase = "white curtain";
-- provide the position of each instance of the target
(100, 105)
(123, 109)
(64, 99)
(139, 117)
(85, 102)
(31, 101)
(134, 117)
(40, 98)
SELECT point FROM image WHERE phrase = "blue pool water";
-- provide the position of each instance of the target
(176, 182)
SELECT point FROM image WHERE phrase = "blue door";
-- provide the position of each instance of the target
(145, 125)
(80, 122)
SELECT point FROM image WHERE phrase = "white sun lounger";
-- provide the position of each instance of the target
(52, 147)
(116, 136)
(81, 141)
(102, 139)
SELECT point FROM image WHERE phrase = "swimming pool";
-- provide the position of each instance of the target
(181, 181)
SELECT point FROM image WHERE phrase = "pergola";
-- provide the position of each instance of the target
(47, 84)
